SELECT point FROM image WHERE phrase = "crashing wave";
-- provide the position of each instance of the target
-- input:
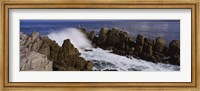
(103, 60)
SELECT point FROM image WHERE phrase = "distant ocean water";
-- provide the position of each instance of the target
(168, 29)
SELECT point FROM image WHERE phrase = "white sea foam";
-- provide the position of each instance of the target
(77, 38)
(104, 60)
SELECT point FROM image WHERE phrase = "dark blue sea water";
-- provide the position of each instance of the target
(168, 29)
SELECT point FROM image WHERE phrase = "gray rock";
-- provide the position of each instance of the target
(23, 38)
(34, 36)
(37, 44)
(45, 49)
(33, 61)
(28, 41)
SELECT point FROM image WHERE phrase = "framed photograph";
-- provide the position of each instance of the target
(100, 45)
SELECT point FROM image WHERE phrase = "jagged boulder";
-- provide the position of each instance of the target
(113, 37)
(140, 40)
(33, 61)
(145, 50)
(102, 36)
(36, 44)
(67, 49)
(42, 54)
(23, 38)
(118, 38)
(174, 52)
(54, 50)
(32, 42)
(34, 36)
(45, 49)
(174, 47)
(68, 59)
(30, 58)
(160, 44)
(49, 48)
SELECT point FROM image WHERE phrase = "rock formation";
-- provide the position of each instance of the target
(30, 58)
(43, 54)
(174, 52)
(34, 61)
(69, 60)
(160, 44)
(121, 43)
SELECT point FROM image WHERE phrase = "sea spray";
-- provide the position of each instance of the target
(77, 38)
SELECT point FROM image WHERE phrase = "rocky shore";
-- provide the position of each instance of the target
(43, 54)
(40, 53)
(122, 43)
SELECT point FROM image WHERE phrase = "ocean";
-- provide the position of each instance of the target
(168, 29)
